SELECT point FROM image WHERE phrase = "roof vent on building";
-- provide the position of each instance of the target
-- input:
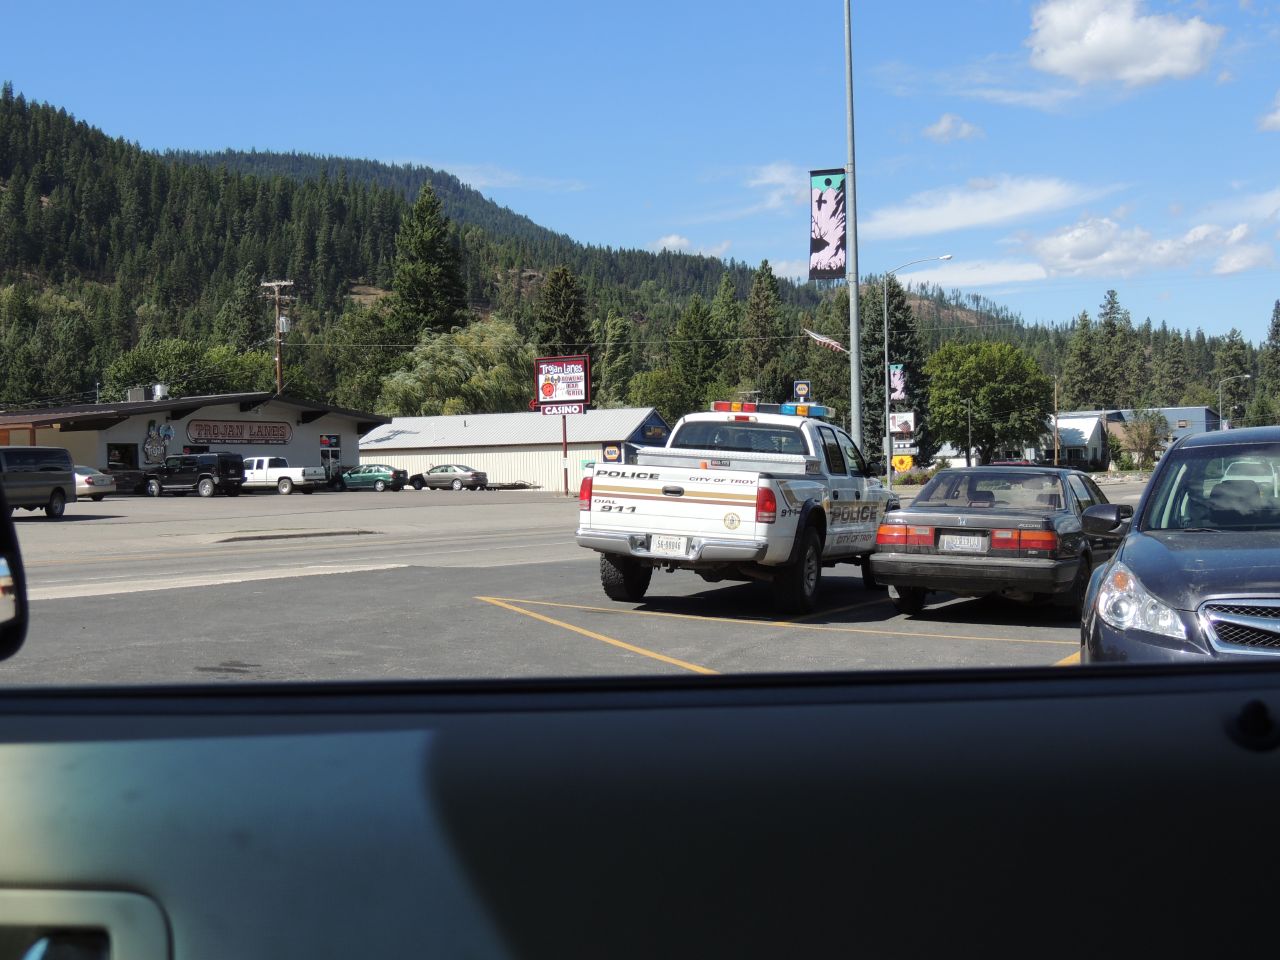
(136, 394)
(161, 391)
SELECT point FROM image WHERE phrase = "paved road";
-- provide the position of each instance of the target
(344, 586)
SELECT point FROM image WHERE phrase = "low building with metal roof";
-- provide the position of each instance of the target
(141, 433)
(519, 448)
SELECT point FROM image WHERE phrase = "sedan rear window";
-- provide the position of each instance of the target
(994, 489)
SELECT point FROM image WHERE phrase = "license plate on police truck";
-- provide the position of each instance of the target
(665, 545)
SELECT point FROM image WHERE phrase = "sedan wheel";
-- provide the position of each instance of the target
(457, 484)
(379, 485)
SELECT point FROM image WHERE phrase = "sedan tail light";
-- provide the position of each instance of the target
(1024, 540)
(904, 535)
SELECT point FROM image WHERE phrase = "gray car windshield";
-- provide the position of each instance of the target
(993, 489)
(1227, 487)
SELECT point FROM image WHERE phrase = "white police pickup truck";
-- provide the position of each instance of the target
(744, 492)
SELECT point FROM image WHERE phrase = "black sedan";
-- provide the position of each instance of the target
(1197, 573)
(1012, 531)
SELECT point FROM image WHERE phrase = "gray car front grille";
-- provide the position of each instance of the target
(1247, 625)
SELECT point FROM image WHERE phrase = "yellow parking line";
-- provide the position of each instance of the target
(1069, 661)
(787, 623)
(599, 636)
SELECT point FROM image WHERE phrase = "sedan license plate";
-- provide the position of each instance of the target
(668, 546)
(967, 543)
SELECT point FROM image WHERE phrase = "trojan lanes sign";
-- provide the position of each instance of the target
(563, 380)
(239, 431)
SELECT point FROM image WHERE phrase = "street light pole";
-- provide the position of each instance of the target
(851, 246)
(884, 299)
(1238, 376)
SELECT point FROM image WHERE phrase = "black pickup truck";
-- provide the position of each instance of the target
(202, 473)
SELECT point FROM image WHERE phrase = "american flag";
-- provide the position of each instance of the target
(826, 341)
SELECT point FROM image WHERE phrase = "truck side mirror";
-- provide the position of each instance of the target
(13, 586)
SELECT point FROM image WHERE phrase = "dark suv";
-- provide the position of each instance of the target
(202, 473)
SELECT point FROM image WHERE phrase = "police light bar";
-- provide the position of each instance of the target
(787, 409)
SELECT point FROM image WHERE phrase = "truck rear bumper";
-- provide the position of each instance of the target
(700, 549)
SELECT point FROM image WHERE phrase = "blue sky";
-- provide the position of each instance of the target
(1057, 149)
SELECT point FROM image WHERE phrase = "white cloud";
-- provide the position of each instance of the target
(979, 273)
(1092, 41)
(672, 241)
(783, 184)
(488, 177)
(978, 203)
(1251, 207)
(951, 127)
(1049, 99)
(790, 269)
(681, 244)
(1099, 246)
(1247, 256)
(1271, 121)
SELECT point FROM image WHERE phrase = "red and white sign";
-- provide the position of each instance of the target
(558, 409)
(562, 380)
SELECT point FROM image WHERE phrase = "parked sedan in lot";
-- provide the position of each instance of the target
(1197, 573)
(1012, 531)
(374, 476)
(453, 476)
(93, 483)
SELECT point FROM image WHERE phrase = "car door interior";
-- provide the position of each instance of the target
(1060, 812)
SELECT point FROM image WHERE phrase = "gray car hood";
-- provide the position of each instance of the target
(1183, 569)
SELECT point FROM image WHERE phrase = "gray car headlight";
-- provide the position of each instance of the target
(1124, 603)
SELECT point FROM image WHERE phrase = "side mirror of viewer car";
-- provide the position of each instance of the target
(1107, 519)
(13, 586)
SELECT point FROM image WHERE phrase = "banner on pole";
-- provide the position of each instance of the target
(827, 234)
(897, 382)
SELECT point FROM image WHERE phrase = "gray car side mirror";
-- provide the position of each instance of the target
(1107, 519)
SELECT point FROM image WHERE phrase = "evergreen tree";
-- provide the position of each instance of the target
(428, 281)
(760, 321)
(695, 352)
(560, 325)
(1231, 366)
(617, 360)
(1081, 367)
(725, 322)
(1114, 378)
(240, 321)
(1269, 358)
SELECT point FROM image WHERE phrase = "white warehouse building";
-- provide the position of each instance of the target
(524, 448)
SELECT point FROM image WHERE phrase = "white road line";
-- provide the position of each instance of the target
(104, 589)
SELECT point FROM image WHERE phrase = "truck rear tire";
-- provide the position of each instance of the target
(56, 506)
(795, 586)
(285, 486)
(205, 487)
(153, 488)
(623, 578)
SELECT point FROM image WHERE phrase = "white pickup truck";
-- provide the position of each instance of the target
(744, 492)
(266, 473)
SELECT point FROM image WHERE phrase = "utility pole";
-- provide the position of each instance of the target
(1055, 422)
(275, 287)
(968, 408)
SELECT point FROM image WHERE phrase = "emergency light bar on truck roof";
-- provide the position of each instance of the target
(787, 409)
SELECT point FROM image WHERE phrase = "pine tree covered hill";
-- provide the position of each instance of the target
(105, 247)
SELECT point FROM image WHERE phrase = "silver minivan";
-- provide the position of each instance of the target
(38, 478)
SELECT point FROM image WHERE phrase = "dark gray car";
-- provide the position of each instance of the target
(1197, 572)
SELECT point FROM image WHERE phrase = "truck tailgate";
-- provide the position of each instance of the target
(671, 500)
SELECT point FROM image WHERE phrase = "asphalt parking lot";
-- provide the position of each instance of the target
(411, 585)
